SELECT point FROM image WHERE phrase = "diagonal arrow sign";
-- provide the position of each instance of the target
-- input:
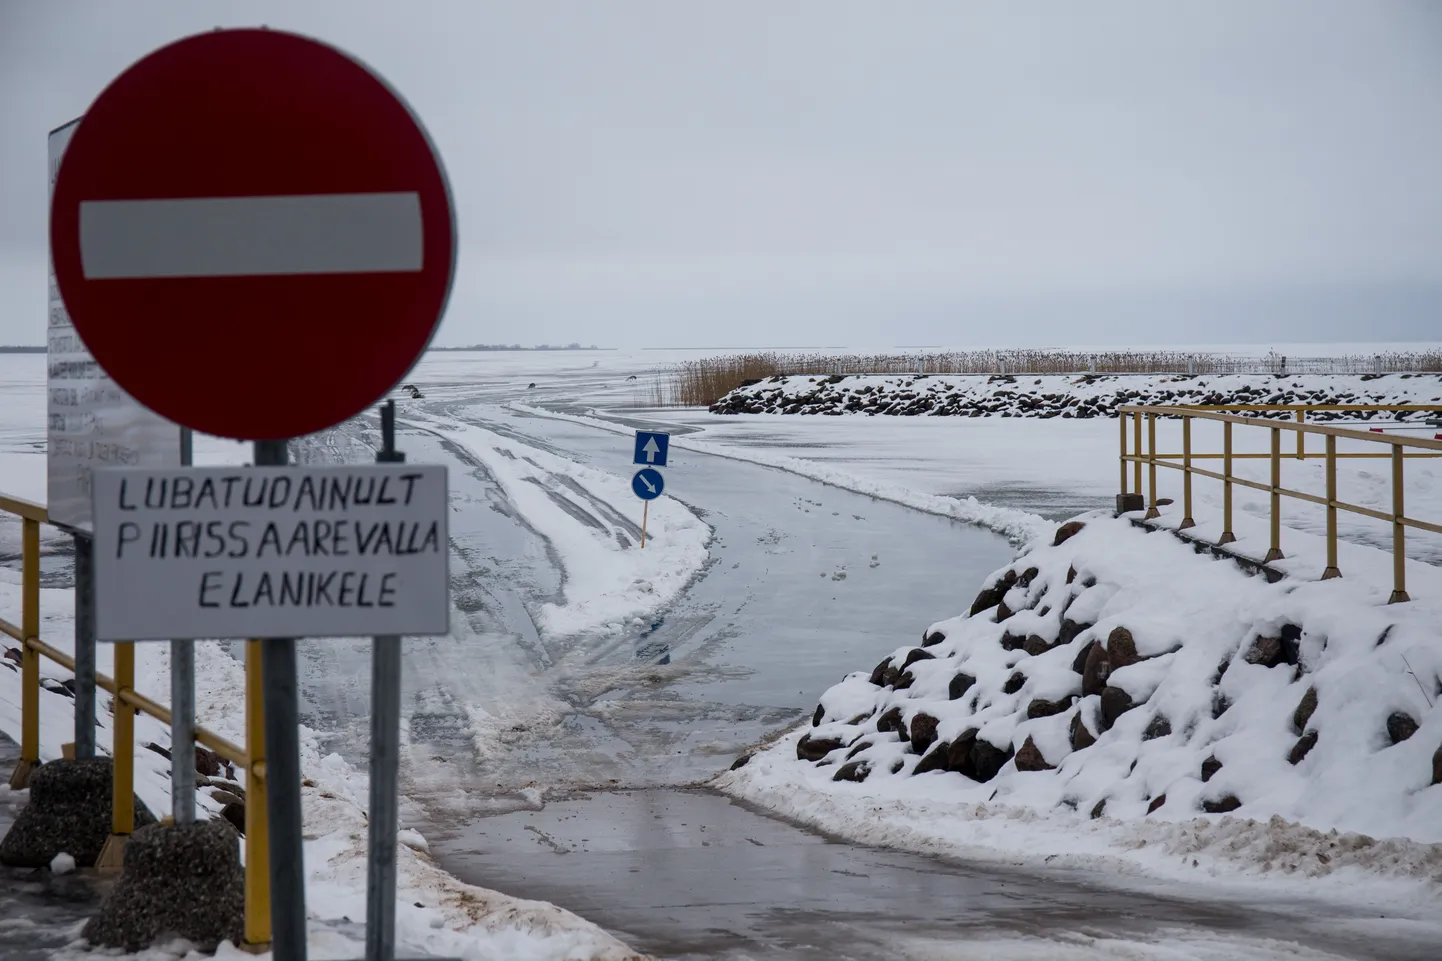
(651, 450)
(649, 486)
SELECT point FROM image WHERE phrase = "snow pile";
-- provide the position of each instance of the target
(1070, 396)
(592, 520)
(1118, 693)
(436, 914)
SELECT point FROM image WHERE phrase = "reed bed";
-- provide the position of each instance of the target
(702, 382)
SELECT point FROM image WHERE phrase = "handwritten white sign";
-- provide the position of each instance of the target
(245, 552)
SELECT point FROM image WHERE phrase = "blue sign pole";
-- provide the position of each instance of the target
(648, 485)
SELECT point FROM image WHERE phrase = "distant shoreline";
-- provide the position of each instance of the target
(516, 347)
(21, 349)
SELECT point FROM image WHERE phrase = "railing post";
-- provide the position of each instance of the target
(257, 828)
(1122, 420)
(29, 657)
(1187, 520)
(1227, 535)
(1399, 532)
(1137, 450)
(1152, 467)
(1332, 569)
(1274, 553)
(122, 798)
(1301, 436)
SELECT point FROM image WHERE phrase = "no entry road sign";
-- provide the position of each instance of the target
(648, 484)
(651, 448)
(271, 552)
(252, 234)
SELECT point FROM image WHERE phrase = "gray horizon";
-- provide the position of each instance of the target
(650, 174)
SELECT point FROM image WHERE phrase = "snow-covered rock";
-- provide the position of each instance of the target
(1119, 674)
(1071, 396)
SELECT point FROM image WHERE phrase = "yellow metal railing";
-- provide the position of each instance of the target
(1399, 449)
(127, 701)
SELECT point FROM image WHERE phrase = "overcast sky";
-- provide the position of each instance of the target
(798, 174)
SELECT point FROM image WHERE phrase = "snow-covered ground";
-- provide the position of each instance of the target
(567, 672)
(1038, 747)
(436, 914)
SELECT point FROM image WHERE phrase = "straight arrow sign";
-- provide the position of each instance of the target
(651, 448)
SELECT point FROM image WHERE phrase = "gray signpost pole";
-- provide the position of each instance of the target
(385, 760)
(182, 703)
(84, 646)
(282, 774)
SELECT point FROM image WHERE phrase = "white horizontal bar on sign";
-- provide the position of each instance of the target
(251, 236)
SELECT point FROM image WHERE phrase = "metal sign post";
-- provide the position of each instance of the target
(282, 773)
(182, 702)
(385, 760)
(84, 646)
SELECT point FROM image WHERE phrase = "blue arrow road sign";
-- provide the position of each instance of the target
(651, 448)
(648, 484)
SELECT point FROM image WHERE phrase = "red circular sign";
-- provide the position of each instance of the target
(253, 234)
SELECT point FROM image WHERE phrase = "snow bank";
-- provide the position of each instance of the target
(1120, 695)
(436, 914)
(1070, 396)
(1019, 527)
(592, 520)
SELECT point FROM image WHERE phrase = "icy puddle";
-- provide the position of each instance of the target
(691, 874)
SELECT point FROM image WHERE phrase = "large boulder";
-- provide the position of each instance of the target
(70, 811)
(179, 880)
(1115, 703)
(1044, 708)
(1305, 710)
(1401, 726)
(1030, 758)
(891, 720)
(1081, 737)
(1121, 648)
(1095, 672)
(960, 684)
(1066, 532)
(923, 732)
(815, 748)
(1302, 748)
(987, 759)
(959, 754)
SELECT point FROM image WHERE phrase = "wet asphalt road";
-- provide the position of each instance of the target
(615, 736)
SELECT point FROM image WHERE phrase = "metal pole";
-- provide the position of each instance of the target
(1122, 422)
(1152, 468)
(385, 760)
(182, 705)
(182, 731)
(84, 646)
(385, 775)
(645, 516)
(282, 774)
(1227, 535)
(1399, 532)
(1274, 553)
(1332, 569)
(1187, 520)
